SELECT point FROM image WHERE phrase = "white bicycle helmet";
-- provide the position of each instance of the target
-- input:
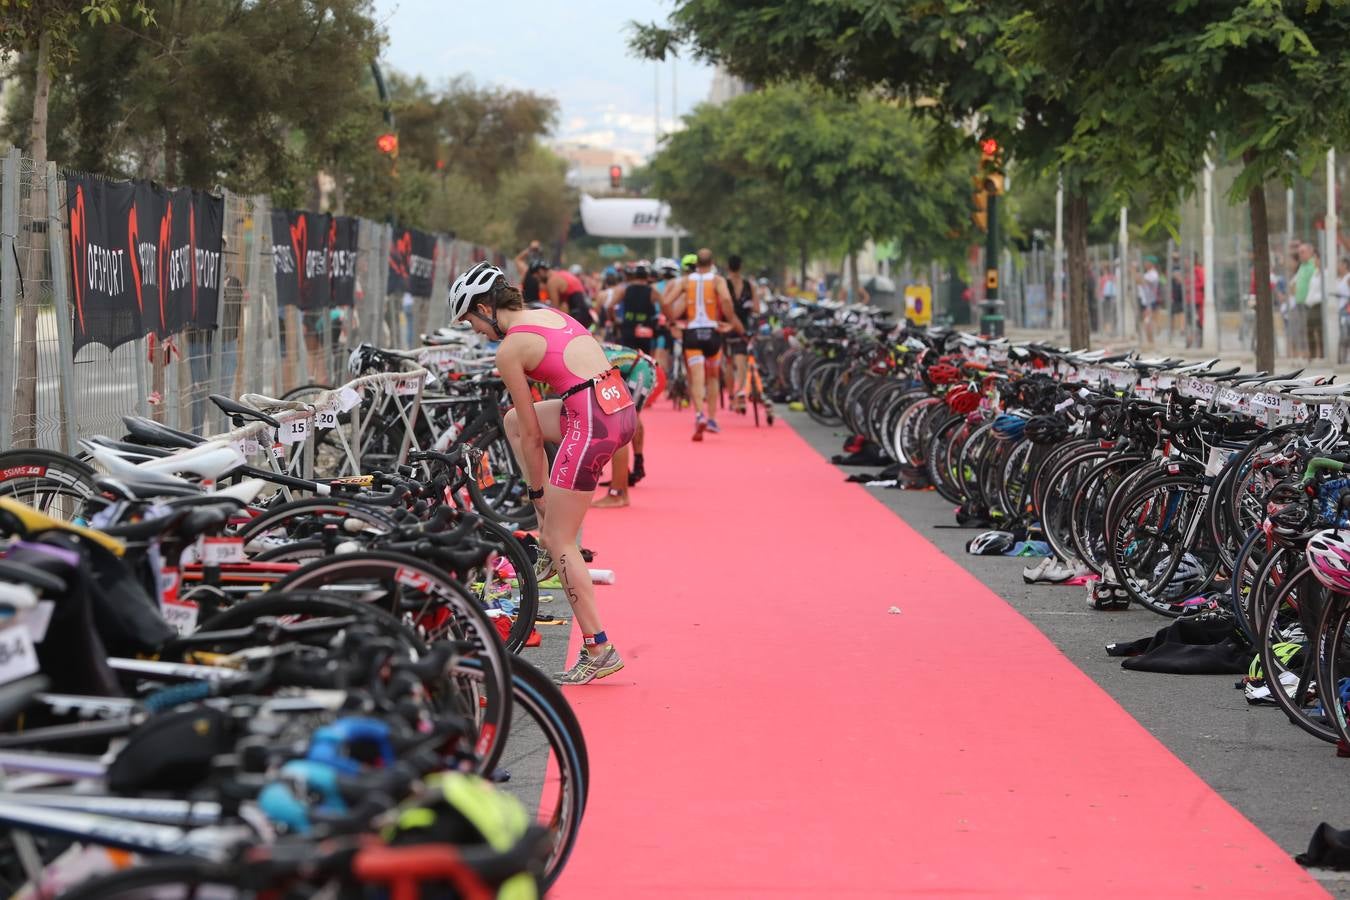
(666, 267)
(990, 543)
(471, 285)
(1329, 556)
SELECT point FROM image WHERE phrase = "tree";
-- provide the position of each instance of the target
(1157, 85)
(796, 166)
(220, 93)
(263, 99)
(46, 30)
(946, 58)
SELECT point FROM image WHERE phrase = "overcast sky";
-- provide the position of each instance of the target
(574, 51)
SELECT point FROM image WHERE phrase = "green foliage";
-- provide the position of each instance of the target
(261, 97)
(214, 92)
(796, 168)
(23, 22)
(1153, 84)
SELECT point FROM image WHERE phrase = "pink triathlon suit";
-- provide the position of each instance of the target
(589, 434)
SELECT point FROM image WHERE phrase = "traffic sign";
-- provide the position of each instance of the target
(613, 251)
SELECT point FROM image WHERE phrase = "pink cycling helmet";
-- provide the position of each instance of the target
(1329, 556)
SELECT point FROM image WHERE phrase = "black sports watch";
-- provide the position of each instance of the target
(536, 494)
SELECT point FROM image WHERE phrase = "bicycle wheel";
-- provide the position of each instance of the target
(435, 605)
(1088, 512)
(1058, 490)
(1334, 663)
(301, 520)
(52, 482)
(511, 589)
(939, 462)
(1158, 524)
(1292, 618)
(506, 500)
(546, 760)
(818, 391)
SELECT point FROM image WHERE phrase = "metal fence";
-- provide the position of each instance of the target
(1211, 246)
(50, 398)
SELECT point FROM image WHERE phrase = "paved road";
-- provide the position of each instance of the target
(1282, 780)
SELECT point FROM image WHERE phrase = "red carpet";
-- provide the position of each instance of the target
(777, 733)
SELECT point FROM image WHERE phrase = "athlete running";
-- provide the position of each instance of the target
(701, 307)
(593, 417)
(745, 300)
(640, 309)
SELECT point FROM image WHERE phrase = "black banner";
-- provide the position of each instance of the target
(342, 246)
(144, 259)
(412, 262)
(314, 259)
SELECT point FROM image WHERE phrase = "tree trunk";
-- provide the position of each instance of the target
(1265, 310)
(801, 266)
(339, 195)
(854, 284)
(34, 271)
(1076, 222)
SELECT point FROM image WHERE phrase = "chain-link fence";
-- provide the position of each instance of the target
(51, 398)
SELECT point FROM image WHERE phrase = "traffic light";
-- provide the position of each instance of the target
(616, 177)
(991, 167)
(387, 143)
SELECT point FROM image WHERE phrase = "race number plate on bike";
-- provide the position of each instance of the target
(611, 393)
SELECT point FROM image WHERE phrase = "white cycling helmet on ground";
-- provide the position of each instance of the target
(471, 285)
(991, 543)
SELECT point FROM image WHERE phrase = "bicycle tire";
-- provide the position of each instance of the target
(401, 571)
(536, 697)
(52, 482)
(1272, 667)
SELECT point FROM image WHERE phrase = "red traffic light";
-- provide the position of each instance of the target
(989, 147)
(615, 176)
(387, 143)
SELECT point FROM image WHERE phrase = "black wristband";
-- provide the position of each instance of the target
(536, 495)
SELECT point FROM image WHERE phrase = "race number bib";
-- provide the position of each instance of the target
(611, 393)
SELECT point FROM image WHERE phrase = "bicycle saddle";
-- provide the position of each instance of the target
(262, 402)
(126, 488)
(135, 452)
(211, 460)
(148, 431)
(239, 413)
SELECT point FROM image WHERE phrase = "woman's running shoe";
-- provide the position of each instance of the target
(543, 564)
(588, 668)
(713, 427)
(700, 426)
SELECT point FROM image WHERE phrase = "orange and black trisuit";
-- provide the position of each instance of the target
(702, 313)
